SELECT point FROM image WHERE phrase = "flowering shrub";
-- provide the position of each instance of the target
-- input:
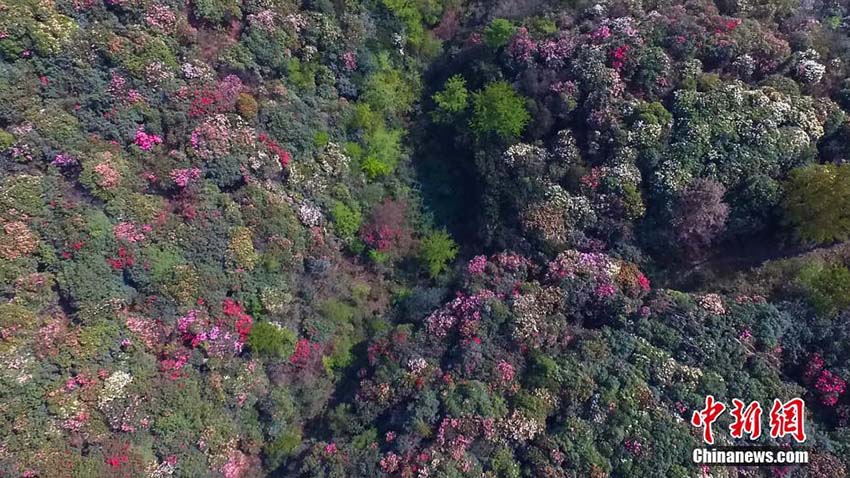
(477, 265)
(107, 176)
(829, 386)
(182, 177)
(216, 218)
(17, 240)
(146, 141)
(129, 232)
(387, 230)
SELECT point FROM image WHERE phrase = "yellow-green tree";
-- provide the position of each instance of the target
(816, 202)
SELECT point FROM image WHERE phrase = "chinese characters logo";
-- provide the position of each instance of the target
(786, 419)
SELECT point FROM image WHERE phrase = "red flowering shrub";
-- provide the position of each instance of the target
(387, 230)
(828, 385)
(122, 261)
(172, 365)
(219, 98)
(304, 352)
(146, 141)
(275, 149)
(243, 321)
(619, 56)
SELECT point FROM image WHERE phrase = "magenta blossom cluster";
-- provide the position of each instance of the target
(829, 385)
(605, 289)
(182, 177)
(476, 265)
(555, 52)
(216, 340)
(146, 141)
(63, 159)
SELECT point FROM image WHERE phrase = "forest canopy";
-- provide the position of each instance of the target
(433, 239)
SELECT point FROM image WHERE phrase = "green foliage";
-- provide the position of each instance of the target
(452, 99)
(498, 32)
(388, 91)
(217, 11)
(544, 372)
(321, 139)
(380, 150)
(146, 50)
(6, 140)
(437, 249)
(653, 113)
(347, 221)
(337, 312)
(242, 248)
(542, 26)
(162, 262)
(34, 26)
(415, 15)
(363, 440)
(473, 398)
(499, 109)
(284, 446)
(816, 199)
(302, 76)
(271, 340)
(379, 257)
(503, 464)
(827, 286)
(383, 151)
(366, 118)
(23, 193)
(341, 356)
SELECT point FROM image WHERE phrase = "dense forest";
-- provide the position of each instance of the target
(419, 238)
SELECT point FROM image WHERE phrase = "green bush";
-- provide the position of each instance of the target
(337, 312)
(389, 92)
(498, 32)
(436, 251)
(383, 150)
(301, 75)
(283, 446)
(146, 50)
(452, 99)
(408, 11)
(816, 199)
(23, 193)
(217, 11)
(366, 118)
(827, 286)
(499, 109)
(346, 220)
(271, 340)
(504, 465)
(6, 140)
(321, 139)
(340, 356)
(247, 106)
